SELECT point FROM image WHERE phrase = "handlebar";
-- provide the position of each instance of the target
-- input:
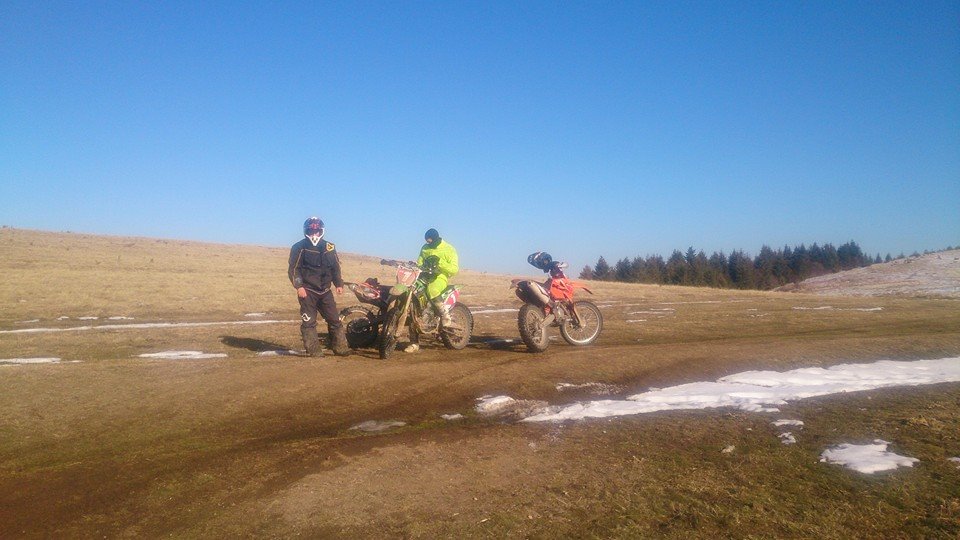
(393, 262)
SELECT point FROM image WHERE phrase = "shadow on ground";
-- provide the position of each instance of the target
(250, 344)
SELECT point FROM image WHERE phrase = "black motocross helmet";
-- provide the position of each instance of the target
(541, 260)
(313, 226)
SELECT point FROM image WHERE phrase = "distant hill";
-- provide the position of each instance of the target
(936, 275)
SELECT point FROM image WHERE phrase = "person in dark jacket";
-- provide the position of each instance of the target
(314, 271)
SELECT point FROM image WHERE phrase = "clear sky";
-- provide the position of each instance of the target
(579, 128)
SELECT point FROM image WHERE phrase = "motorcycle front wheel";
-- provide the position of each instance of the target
(360, 325)
(591, 323)
(457, 338)
(532, 332)
(388, 339)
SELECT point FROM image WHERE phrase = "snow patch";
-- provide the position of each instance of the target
(373, 426)
(288, 352)
(120, 318)
(20, 361)
(491, 404)
(779, 423)
(955, 461)
(183, 355)
(141, 326)
(506, 406)
(254, 314)
(636, 320)
(787, 438)
(866, 458)
(451, 417)
(763, 391)
(498, 310)
(821, 308)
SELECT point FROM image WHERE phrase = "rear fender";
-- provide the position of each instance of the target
(450, 296)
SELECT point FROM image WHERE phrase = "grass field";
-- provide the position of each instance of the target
(108, 444)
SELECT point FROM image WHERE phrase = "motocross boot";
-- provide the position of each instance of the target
(311, 342)
(338, 342)
(446, 321)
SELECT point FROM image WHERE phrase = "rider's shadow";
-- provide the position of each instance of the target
(250, 344)
(496, 343)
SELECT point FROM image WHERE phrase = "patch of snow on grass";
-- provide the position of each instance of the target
(141, 326)
(183, 355)
(636, 320)
(452, 417)
(288, 352)
(821, 308)
(31, 321)
(88, 318)
(955, 461)
(373, 426)
(498, 310)
(120, 318)
(21, 361)
(866, 458)
(763, 391)
(779, 423)
(787, 438)
(491, 404)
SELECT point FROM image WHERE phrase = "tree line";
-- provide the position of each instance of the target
(771, 268)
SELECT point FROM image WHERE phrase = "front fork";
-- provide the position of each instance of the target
(551, 314)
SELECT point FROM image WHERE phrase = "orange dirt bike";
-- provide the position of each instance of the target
(404, 305)
(551, 304)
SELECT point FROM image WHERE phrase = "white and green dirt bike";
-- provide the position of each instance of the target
(408, 307)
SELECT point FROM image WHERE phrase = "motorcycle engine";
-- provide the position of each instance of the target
(429, 319)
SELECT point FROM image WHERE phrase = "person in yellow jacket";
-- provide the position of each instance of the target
(438, 258)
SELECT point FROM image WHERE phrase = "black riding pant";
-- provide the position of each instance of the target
(324, 304)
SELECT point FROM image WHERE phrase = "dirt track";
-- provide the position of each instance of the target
(263, 446)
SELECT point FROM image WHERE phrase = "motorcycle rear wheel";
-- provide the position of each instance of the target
(360, 326)
(591, 323)
(388, 339)
(532, 332)
(462, 318)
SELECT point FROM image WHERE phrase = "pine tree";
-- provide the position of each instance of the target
(602, 270)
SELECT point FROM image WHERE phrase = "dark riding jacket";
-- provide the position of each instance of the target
(314, 267)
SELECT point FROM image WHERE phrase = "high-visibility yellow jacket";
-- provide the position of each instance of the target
(448, 266)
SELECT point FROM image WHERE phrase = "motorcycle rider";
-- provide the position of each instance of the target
(438, 259)
(314, 270)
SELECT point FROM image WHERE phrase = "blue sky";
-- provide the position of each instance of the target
(580, 128)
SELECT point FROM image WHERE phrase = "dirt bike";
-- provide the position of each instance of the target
(551, 304)
(406, 305)
(362, 324)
